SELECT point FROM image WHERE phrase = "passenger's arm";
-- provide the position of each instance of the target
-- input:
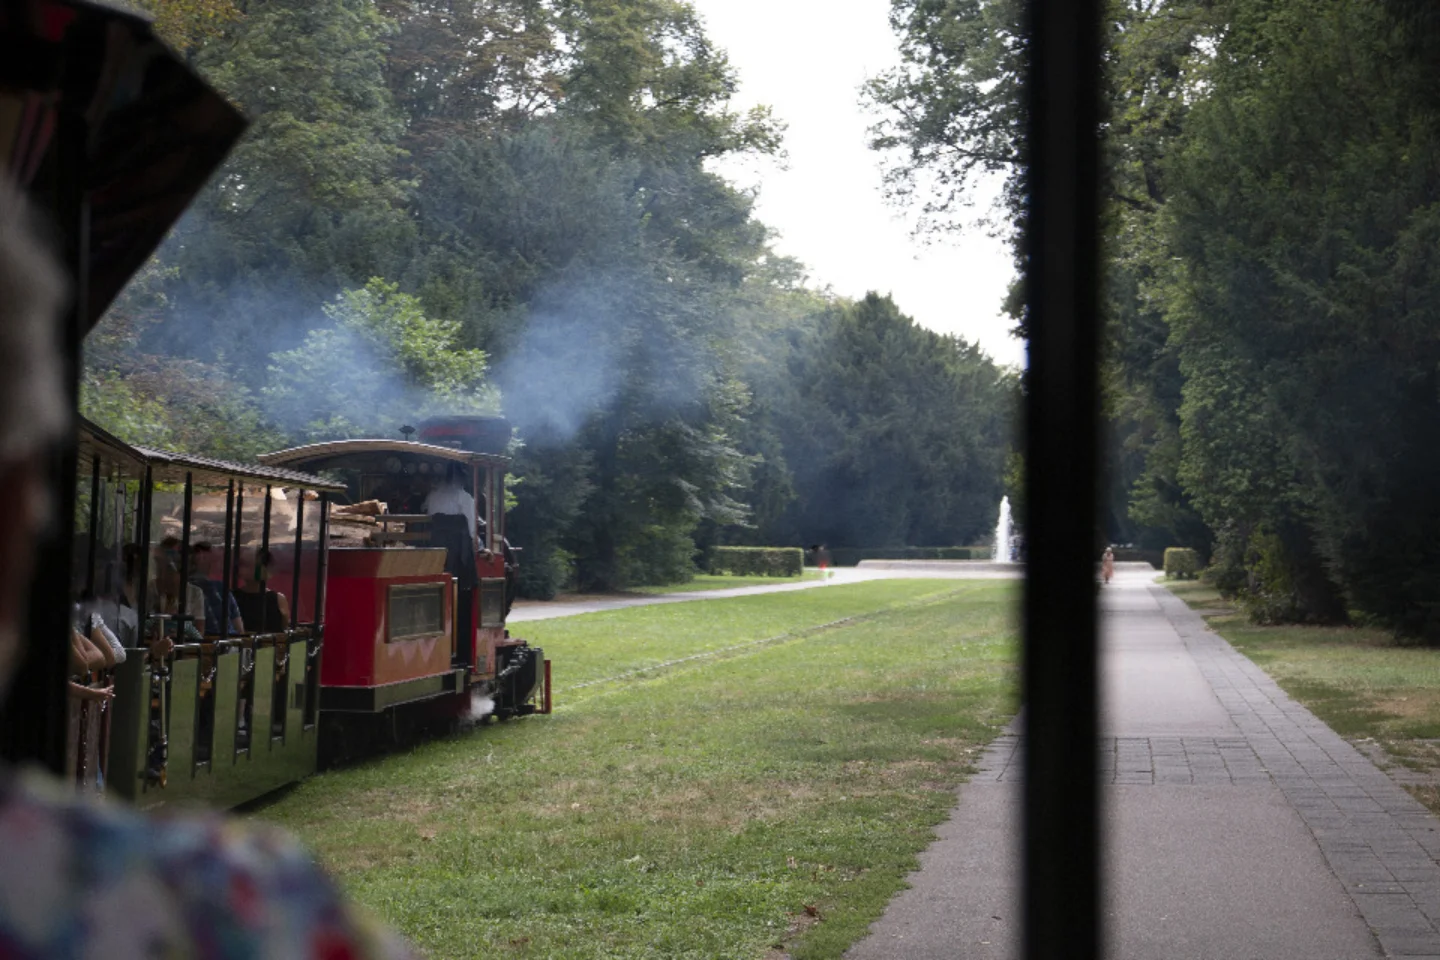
(83, 651)
(102, 647)
(81, 692)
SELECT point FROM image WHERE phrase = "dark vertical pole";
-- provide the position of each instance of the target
(265, 531)
(499, 510)
(226, 569)
(322, 559)
(481, 498)
(316, 643)
(299, 556)
(267, 626)
(142, 538)
(181, 607)
(233, 581)
(1062, 822)
(94, 523)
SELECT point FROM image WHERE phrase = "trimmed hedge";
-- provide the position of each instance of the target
(758, 561)
(1181, 563)
(850, 556)
(1130, 555)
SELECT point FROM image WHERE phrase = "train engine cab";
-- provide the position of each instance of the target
(420, 582)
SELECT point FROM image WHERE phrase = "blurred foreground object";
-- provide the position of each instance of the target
(111, 136)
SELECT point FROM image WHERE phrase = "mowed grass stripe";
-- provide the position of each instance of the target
(697, 813)
(742, 647)
(598, 645)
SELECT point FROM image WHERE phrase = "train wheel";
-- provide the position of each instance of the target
(332, 745)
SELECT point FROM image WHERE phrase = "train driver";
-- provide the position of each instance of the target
(450, 496)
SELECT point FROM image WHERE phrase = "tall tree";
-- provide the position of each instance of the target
(381, 363)
(952, 116)
(308, 202)
(1304, 220)
(459, 68)
(894, 435)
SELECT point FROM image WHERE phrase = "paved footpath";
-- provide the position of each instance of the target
(1239, 827)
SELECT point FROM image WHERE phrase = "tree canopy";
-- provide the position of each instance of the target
(1272, 180)
(510, 205)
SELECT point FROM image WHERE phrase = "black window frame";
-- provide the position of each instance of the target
(439, 590)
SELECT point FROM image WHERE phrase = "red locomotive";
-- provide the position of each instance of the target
(420, 581)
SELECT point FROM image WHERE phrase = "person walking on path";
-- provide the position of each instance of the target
(1107, 565)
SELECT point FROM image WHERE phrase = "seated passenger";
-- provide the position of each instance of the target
(207, 572)
(262, 613)
(164, 599)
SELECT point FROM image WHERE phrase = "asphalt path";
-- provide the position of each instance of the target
(526, 611)
(1237, 826)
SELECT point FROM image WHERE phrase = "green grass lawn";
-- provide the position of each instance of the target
(769, 793)
(1199, 595)
(711, 581)
(1359, 680)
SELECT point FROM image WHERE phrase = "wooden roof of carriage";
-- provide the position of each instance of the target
(326, 456)
(169, 466)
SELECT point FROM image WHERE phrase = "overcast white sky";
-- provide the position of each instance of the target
(807, 59)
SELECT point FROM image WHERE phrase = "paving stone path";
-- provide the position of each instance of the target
(1238, 826)
(1381, 843)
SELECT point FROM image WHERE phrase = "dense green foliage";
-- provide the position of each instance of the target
(893, 435)
(1273, 177)
(509, 204)
(757, 561)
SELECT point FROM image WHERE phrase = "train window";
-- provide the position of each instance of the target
(415, 610)
(492, 603)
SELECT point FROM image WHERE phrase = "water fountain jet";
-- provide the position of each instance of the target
(1003, 532)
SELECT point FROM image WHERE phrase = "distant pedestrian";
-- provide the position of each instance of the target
(1107, 565)
(822, 560)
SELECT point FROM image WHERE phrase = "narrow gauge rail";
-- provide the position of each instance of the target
(347, 628)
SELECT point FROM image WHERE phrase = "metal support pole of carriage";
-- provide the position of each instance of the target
(91, 544)
(182, 606)
(227, 571)
(1062, 842)
(265, 542)
(232, 546)
(299, 558)
(315, 648)
(142, 541)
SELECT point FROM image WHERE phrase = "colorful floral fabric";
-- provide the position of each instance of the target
(79, 879)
